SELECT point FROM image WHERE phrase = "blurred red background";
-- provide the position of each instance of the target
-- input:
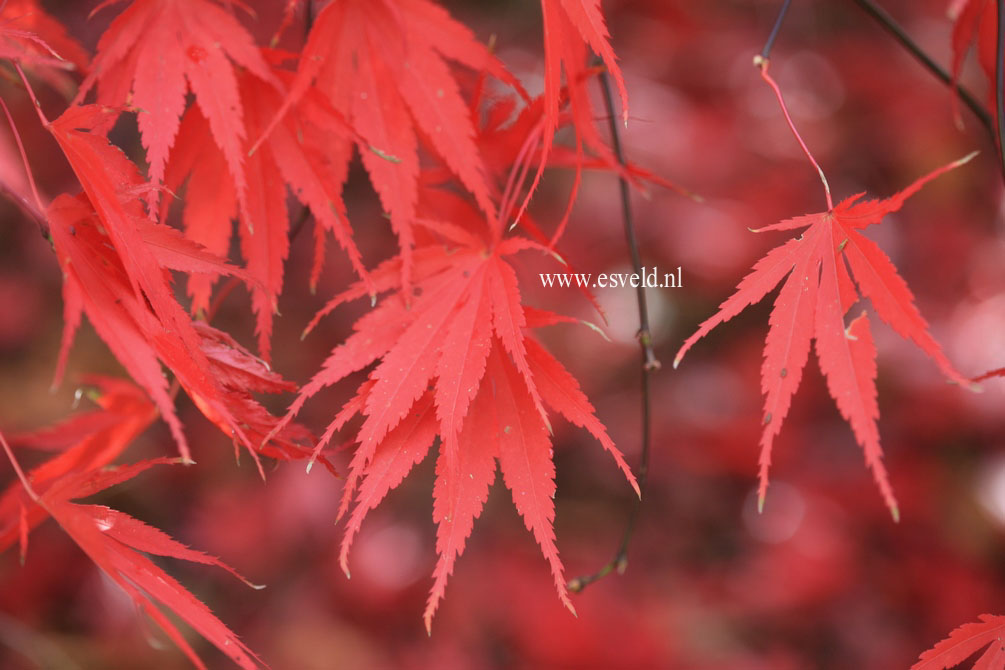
(823, 579)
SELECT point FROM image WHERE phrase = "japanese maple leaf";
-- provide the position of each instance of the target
(114, 259)
(220, 384)
(512, 147)
(974, 21)
(309, 150)
(96, 283)
(382, 64)
(568, 22)
(454, 360)
(812, 305)
(38, 41)
(119, 544)
(510, 142)
(154, 52)
(239, 373)
(965, 641)
(571, 28)
(85, 442)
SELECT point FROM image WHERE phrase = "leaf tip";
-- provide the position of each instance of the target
(760, 503)
(895, 513)
(966, 159)
(597, 329)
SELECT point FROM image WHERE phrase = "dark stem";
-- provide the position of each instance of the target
(766, 51)
(892, 27)
(1000, 84)
(649, 361)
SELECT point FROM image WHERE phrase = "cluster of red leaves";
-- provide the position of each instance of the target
(451, 337)
(449, 349)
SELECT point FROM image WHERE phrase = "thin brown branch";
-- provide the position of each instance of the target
(891, 26)
(649, 361)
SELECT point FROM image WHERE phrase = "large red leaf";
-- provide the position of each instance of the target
(154, 52)
(453, 359)
(382, 64)
(114, 260)
(309, 150)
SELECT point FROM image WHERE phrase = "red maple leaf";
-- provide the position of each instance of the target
(812, 305)
(38, 41)
(86, 442)
(454, 360)
(974, 21)
(309, 150)
(239, 374)
(118, 544)
(219, 375)
(115, 260)
(382, 64)
(576, 21)
(150, 56)
(510, 143)
(571, 28)
(965, 641)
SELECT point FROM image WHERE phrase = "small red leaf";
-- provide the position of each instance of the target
(812, 305)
